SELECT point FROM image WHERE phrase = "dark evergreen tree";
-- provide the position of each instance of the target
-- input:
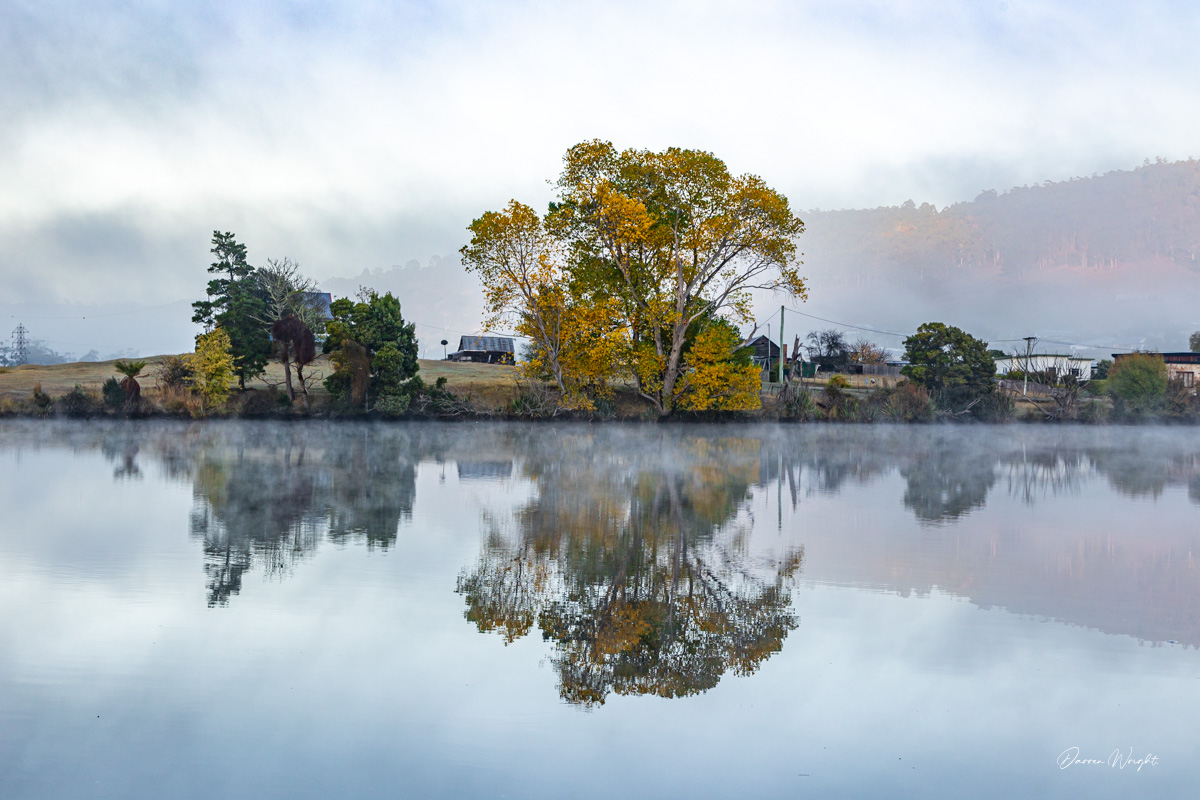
(953, 365)
(236, 303)
(375, 325)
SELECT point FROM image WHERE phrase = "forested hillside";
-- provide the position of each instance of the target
(1044, 257)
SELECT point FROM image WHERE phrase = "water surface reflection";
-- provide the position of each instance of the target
(638, 552)
(628, 561)
(378, 609)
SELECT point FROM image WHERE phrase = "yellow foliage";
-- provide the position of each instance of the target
(576, 342)
(585, 345)
(620, 629)
(640, 247)
(212, 368)
(675, 238)
(713, 380)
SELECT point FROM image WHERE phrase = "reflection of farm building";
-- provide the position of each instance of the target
(1060, 364)
(1180, 366)
(484, 470)
(485, 350)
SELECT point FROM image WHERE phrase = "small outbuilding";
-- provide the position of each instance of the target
(485, 350)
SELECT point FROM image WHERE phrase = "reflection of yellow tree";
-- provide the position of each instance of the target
(622, 563)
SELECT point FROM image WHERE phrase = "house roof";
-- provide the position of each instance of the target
(1170, 358)
(492, 344)
(320, 301)
(1042, 355)
(761, 341)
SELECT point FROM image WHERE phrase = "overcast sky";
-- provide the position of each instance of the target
(358, 135)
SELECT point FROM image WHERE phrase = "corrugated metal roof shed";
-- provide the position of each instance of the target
(495, 344)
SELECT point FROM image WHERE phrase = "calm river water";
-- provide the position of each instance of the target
(426, 610)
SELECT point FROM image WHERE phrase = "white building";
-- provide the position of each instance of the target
(1058, 363)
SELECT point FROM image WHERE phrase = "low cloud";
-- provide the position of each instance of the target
(357, 136)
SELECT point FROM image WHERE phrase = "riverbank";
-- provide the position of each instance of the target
(454, 389)
(460, 390)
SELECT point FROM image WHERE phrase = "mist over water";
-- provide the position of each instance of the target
(429, 604)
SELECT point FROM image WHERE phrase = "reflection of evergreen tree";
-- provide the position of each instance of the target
(372, 487)
(945, 483)
(1146, 471)
(264, 501)
(620, 563)
(122, 450)
(253, 510)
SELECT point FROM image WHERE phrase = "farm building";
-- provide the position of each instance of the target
(485, 350)
(1060, 364)
(320, 301)
(1180, 366)
(765, 351)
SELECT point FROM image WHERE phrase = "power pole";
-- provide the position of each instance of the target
(20, 345)
(1029, 342)
(781, 345)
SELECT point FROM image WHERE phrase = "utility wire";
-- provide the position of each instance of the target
(844, 324)
(993, 341)
(98, 316)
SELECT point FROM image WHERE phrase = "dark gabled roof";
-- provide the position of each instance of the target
(488, 344)
(763, 347)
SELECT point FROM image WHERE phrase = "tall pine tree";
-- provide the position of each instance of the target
(236, 303)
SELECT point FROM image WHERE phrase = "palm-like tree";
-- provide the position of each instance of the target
(130, 369)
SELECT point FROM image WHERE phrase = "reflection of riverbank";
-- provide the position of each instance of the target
(1088, 526)
(1091, 529)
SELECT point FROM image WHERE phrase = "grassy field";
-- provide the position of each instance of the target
(483, 381)
(486, 387)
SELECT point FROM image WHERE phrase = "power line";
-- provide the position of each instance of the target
(1092, 346)
(992, 341)
(98, 316)
(845, 324)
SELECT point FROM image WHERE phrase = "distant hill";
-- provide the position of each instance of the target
(1111, 260)
(439, 296)
(1112, 256)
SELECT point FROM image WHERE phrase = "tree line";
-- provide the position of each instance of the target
(253, 314)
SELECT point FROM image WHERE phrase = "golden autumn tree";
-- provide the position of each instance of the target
(672, 238)
(639, 257)
(212, 368)
(574, 342)
(717, 373)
